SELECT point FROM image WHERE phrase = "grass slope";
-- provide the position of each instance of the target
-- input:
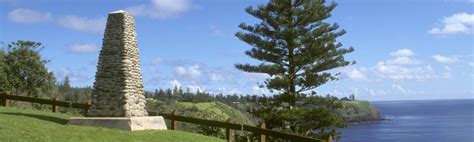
(358, 111)
(207, 110)
(218, 111)
(30, 125)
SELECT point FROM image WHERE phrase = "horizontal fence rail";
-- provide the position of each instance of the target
(6, 97)
(234, 126)
(261, 131)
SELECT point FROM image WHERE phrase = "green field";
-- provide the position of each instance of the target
(31, 125)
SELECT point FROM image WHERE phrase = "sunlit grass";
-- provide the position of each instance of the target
(31, 125)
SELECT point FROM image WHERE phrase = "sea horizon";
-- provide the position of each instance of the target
(433, 99)
(417, 120)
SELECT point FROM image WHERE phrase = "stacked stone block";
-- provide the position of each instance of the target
(118, 87)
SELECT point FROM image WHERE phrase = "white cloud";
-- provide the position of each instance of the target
(174, 83)
(214, 31)
(402, 57)
(216, 77)
(181, 71)
(457, 23)
(447, 68)
(399, 88)
(22, 15)
(256, 90)
(195, 88)
(161, 9)
(82, 48)
(387, 71)
(336, 93)
(157, 61)
(447, 75)
(197, 73)
(228, 91)
(154, 70)
(355, 74)
(445, 59)
(192, 71)
(84, 24)
(355, 91)
(256, 76)
(192, 88)
(403, 61)
(73, 76)
(63, 72)
(375, 91)
(402, 53)
(394, 69)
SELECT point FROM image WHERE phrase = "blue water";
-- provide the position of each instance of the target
(417, 121)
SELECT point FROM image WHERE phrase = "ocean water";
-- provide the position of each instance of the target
(417, 121)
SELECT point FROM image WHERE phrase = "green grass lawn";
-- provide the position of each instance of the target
(32, 125)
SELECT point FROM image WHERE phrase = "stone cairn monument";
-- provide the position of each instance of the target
(118, 99)
(118, 87)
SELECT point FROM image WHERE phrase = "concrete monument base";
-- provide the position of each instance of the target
(124, 123)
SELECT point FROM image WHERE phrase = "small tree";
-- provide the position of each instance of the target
(26, 71)
(65, 86)
(4, 84)
(65, 91)
(352, 97)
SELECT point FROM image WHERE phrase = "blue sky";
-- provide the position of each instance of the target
(404, 49)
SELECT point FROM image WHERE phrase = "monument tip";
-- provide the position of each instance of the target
(118, 11)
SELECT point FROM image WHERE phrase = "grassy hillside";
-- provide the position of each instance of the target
(218, 111)
(358, 111)
(30, 125)
(208, 110)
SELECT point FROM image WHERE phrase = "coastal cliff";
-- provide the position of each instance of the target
(359, 111)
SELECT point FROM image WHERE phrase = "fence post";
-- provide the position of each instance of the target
(330, 138)
(5, 101)
(228, 132)
(86, 110)
(2, 102)
(262, 136)
(174, 123)
(55, 108)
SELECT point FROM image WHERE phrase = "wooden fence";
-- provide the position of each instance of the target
(229, 126)
(6, 98)
(261, 131)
